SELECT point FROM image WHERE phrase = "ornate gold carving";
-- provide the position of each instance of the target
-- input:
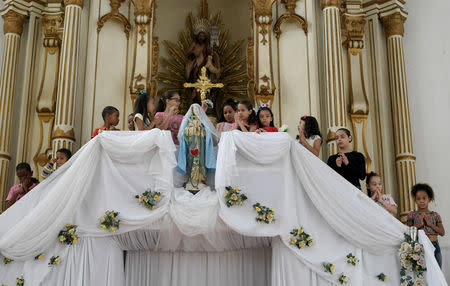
(251, 69)
(74, 2)
(354, 30)
(142, 10)
(52, 28)
(115, 15)
(203, 84)
(331, 136)
(13, 22)
(58, 133)
(263, 8)
(265, 89)
(330, 3)
(290, 15)
(154, 68)
(394, 24)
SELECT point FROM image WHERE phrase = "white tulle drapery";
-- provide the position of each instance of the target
(195, 240)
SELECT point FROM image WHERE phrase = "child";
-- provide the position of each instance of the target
(375, 192)
(110, 116)
(245, 119)
(227, 119)
(309, 134)
(265, 120)
(62, 156)
(143, 110)
(425, 219)
(130, 121)
(166, 114)
(27, 183)
(348, 163)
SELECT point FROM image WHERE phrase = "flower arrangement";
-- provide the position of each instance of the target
(351, 259)
(329, 267)
(54, 260)
(265, 214)
(343, 279)
(300, 238)
(412, 262)
(233, 196)
(149, 199)
(110, 221)
(382, 277)
(68, 234)
(39, 256)
(20, 281)
(7, 260)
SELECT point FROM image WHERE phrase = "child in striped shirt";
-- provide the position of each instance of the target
(62, 156)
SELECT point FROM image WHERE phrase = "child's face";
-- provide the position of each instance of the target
(265, 118)
(243, 112)
(422, 199)
(60, 159)
(151, 106)
(228, 113)
(342, 140)
(113, 118)
(301, 126)
(23, 174)
(130, 122)
(174, 101)
(375, 184)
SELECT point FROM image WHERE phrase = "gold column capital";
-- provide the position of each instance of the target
(394, 24)
(142, 11)
(13, 22)
(263, 8)
(354, 29)
(52, 25)
(330, 3)
(74, 2)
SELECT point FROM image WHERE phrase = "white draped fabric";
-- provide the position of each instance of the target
(198, 240)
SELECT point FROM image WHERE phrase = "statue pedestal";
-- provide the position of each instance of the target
(194, 189)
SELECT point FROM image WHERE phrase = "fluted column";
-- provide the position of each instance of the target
(404, 153)
(63, 132)
(336, 106)
(12, 27)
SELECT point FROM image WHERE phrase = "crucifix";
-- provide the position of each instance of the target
(203, 84)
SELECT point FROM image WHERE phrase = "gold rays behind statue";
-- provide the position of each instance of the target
(233, 72)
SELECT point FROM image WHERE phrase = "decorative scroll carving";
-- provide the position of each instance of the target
(290, 15)
(115, 15)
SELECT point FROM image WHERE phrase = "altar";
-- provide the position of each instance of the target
(198, 239)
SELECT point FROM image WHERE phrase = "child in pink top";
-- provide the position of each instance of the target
(166, 111)
(375, 192)
(229, 109)
(27, 183)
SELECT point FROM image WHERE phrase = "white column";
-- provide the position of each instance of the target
(13, 26)
(404, 153)
(63, 132)
(336, 106)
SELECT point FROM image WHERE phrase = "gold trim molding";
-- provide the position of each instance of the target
(330, 3)
(58, 133)
(290, 15)
(74, 2)
(354, 30)
(394, 24)
(263, 8)
(115, 15)
(13, 22)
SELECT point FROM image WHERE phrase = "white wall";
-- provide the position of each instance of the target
(427, 49)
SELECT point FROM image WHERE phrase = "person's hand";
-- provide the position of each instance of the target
(302, 137)
(344, 158)
(237, 120)
(112, 127)
(52, 161)
(204, 106)
(158, 120)
(422, 219)
(375, 196)
(172, 110)
(380, 196)
(339, 161)
(27, 183)
(20, 191)
(427, 221)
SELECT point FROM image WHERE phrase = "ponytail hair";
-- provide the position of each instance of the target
(162, 101)
(252, 119)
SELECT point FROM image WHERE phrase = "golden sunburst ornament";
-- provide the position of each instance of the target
(233, 67)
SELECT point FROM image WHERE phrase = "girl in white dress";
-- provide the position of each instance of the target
(309, 134)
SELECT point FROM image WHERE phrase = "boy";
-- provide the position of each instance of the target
(27, 183)
(62, 156)
(110, 116)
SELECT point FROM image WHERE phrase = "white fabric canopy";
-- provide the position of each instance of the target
(194, 240)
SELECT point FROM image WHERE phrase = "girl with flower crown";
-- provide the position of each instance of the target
(265, 119)
(309, 134)
(375, 192)
(144, 108)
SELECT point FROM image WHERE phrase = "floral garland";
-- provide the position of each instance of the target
(54, 260)
(382, 277)
(233, 196)
(7, 260)
(412, 260)
(110, 221)
(300, 238)
(39, 256)
(265, 214)
(351, 259)
(20, 281)
(343, 279)
(329, 267)
(68, 234)
(149, 199)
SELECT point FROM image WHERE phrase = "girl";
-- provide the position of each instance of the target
(348, 163)
(227, 119)
(130, 122)
(375, 192)
(27, 183)
(143, 110)
(309, 134)
(265, 120)
(62, 156)
(166, 114)
(425, 219)
(245, 118)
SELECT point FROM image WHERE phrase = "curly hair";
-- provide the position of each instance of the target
(422, 187)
